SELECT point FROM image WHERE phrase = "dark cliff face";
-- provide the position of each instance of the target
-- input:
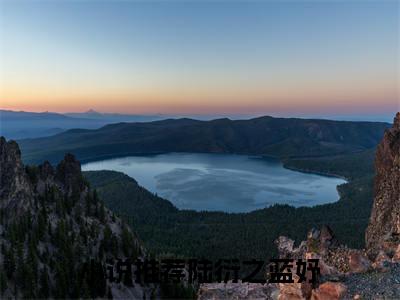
(15, 188)
(18, 189)
(384, 226)
(68, 174)
(11, 168)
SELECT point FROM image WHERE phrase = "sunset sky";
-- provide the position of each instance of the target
(316, 57)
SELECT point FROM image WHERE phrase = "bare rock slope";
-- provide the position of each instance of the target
(384, 228)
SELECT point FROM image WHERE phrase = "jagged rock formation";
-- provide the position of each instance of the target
(15, 188)
(384, 227)
(51, 224)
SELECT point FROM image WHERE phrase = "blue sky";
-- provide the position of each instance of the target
(286, 57)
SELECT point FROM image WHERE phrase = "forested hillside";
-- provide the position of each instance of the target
(52, 225)
(165, 229)
(278, 137)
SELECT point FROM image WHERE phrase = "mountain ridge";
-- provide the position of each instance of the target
(280, 137)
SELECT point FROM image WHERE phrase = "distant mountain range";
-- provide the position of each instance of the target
(280, 137)
(21, 124)
(114, 118)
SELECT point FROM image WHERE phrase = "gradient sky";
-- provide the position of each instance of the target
(200, 57)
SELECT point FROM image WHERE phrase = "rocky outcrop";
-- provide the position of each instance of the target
(384, 227)
(329, 291)
(382, 262)
(68, 174)
(51, 225)
(358, 263)
(15, 188)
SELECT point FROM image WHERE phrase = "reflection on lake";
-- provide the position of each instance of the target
(231, 183)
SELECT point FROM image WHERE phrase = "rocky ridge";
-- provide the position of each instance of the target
(383, 231)
(51, 225)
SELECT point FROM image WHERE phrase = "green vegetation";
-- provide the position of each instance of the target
(280, 137)
(36, 248)
(167, 230)
(350, 166)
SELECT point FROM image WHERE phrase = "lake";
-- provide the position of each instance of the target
(221, 182)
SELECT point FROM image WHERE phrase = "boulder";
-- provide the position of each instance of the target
(327, 238)
(382, 262)
(329, 291)
(284, 245)
(286, 248)
(358, 263)
(325, 268)
(294, 291)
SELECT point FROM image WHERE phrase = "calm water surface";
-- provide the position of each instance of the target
(220, 182)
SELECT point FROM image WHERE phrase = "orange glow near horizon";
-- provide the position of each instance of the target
(242, 58)
(203, 100)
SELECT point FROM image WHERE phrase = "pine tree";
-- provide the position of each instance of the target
(127, 241)
(44, 291)
(109, 294)
(61, 286)
(100, 280)
(88, 203)
(95, 197)
(29, 285)
(114, 245)
(32, 261)
(107, 235)
(85, 291)
(3, 281)
(102, 213)
(60, 234)
(60, 209)
(9, 262)
(41, 226)
(1, 215)
(49, 230)
(20, 269)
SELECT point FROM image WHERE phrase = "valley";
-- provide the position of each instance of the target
(343, 149)
(223, 182)
(166, 229)
(276, 137)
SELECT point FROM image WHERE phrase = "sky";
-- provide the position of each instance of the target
(201, 57)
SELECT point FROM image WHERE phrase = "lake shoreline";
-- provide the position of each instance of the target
(283, 161)
(308, 171)
(226, 182)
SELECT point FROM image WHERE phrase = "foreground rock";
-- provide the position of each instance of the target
(226, 291)
(383, 231)
(358, 263)
(329, 291)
